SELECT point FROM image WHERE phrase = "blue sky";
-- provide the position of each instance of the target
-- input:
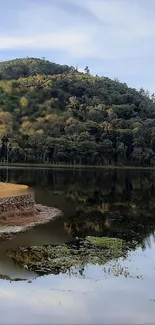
(115, 38)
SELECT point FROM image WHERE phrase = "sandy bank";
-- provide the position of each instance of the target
(10, 189)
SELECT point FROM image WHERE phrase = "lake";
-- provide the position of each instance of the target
(101, 202)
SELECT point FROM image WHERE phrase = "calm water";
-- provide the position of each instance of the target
(118, 203)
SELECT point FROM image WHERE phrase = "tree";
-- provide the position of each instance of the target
(87, 71)
(6, 123)
(4, 143)
(24, 102)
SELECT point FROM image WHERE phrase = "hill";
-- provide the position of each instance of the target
(18, 68)
(52, 113)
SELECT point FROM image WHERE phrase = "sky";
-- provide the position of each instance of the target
(115, 38)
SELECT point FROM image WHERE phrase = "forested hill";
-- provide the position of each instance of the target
(53, 113)
(19, 68)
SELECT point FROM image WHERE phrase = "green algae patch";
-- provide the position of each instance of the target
(115, 246)
(48, 259)
(106, 242)
(66, 250)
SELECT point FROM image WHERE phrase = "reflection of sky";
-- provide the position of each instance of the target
(95, 298)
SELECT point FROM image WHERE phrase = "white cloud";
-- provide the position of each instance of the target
(107, 29)
(56, 40)
(126, 19)
(80, 69)
(126, 31)
(47, 299)
(42, 26)
(113, 37)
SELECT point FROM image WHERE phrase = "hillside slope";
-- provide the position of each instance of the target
(53, 113)
(18, 68)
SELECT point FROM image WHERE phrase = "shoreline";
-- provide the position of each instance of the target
(67, 166)
(45, 214)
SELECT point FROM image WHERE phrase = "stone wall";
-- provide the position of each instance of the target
(22, 204)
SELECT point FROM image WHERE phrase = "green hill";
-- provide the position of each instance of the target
(53, 113)
(18, 68)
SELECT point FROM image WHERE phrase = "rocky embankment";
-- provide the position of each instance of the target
(55, 259)
(21, 223)
(21, 213)
(11, 207)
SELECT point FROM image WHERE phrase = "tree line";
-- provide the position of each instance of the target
(52, 113)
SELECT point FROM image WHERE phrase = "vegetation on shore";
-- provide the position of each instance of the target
(54, 114)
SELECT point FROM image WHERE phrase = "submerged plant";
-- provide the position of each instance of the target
(60, 258)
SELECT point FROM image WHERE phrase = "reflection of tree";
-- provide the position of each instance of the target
(126, 210)
(106, 202)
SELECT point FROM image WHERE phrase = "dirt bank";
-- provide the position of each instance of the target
(9, 227)
(19, 212)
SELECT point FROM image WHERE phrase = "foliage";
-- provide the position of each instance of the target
(53, 113)
(62, 258)
(17, 68)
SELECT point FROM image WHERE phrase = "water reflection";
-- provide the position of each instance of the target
(76, 300)
(99, 203)
(115, 203)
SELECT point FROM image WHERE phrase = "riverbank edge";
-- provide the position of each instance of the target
(45, 215)
(67, 166)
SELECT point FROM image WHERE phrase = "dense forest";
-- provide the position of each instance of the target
(52, 113)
